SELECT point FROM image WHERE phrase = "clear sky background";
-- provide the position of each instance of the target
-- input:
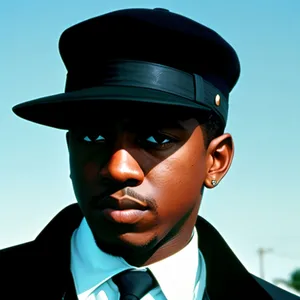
(256, 205)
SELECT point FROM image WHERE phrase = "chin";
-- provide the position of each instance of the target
(129, 244)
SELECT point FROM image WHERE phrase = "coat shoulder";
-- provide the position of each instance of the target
(275, 292)
(16, 263)
(16, 254)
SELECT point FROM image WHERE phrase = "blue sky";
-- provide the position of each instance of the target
(256, 205)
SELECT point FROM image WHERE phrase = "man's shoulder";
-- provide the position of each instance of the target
(50, 245)
(20, 259)
(275, 292)
(227, 277)
(16, 264)
(16, 252)
(54, 235)
(41, 264)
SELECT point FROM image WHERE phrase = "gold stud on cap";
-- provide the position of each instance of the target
(218, 100)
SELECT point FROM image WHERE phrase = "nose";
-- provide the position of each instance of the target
(122, 167)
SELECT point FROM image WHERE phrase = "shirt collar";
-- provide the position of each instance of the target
(91, 267)
(179, 270)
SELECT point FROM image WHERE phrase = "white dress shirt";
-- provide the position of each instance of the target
(180, 276)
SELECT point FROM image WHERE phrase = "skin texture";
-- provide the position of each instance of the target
(162, 165)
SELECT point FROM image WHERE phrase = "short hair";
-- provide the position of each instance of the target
(212, 128)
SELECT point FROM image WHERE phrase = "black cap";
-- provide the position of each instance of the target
(135, 56)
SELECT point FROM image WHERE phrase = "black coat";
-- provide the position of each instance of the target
(41, 269)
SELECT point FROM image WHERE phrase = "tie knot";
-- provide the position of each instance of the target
(134, 284)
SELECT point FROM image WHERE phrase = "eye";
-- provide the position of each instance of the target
(157, 141)
(93, 138)
(161, 140)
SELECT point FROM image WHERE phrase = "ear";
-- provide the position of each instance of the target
(218, 161)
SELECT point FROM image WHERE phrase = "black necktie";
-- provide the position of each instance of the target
(133, 285)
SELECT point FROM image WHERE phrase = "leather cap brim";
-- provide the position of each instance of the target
(66, 110)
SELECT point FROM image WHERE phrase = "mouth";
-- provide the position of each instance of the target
(125, 209)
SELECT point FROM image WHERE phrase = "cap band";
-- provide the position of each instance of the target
(151, 76)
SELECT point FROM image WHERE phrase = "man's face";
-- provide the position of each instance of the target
(138, 182)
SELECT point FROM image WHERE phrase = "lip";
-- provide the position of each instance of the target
(125, 209)
(119, 203)
(127, 216)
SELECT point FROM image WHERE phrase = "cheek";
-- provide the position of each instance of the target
(90, 171)
(83, 176)
(178, 181)
(83, 168)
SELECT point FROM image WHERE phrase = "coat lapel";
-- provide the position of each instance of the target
(226, 278)
(54, 243)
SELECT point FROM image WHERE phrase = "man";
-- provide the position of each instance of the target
(145, 106)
